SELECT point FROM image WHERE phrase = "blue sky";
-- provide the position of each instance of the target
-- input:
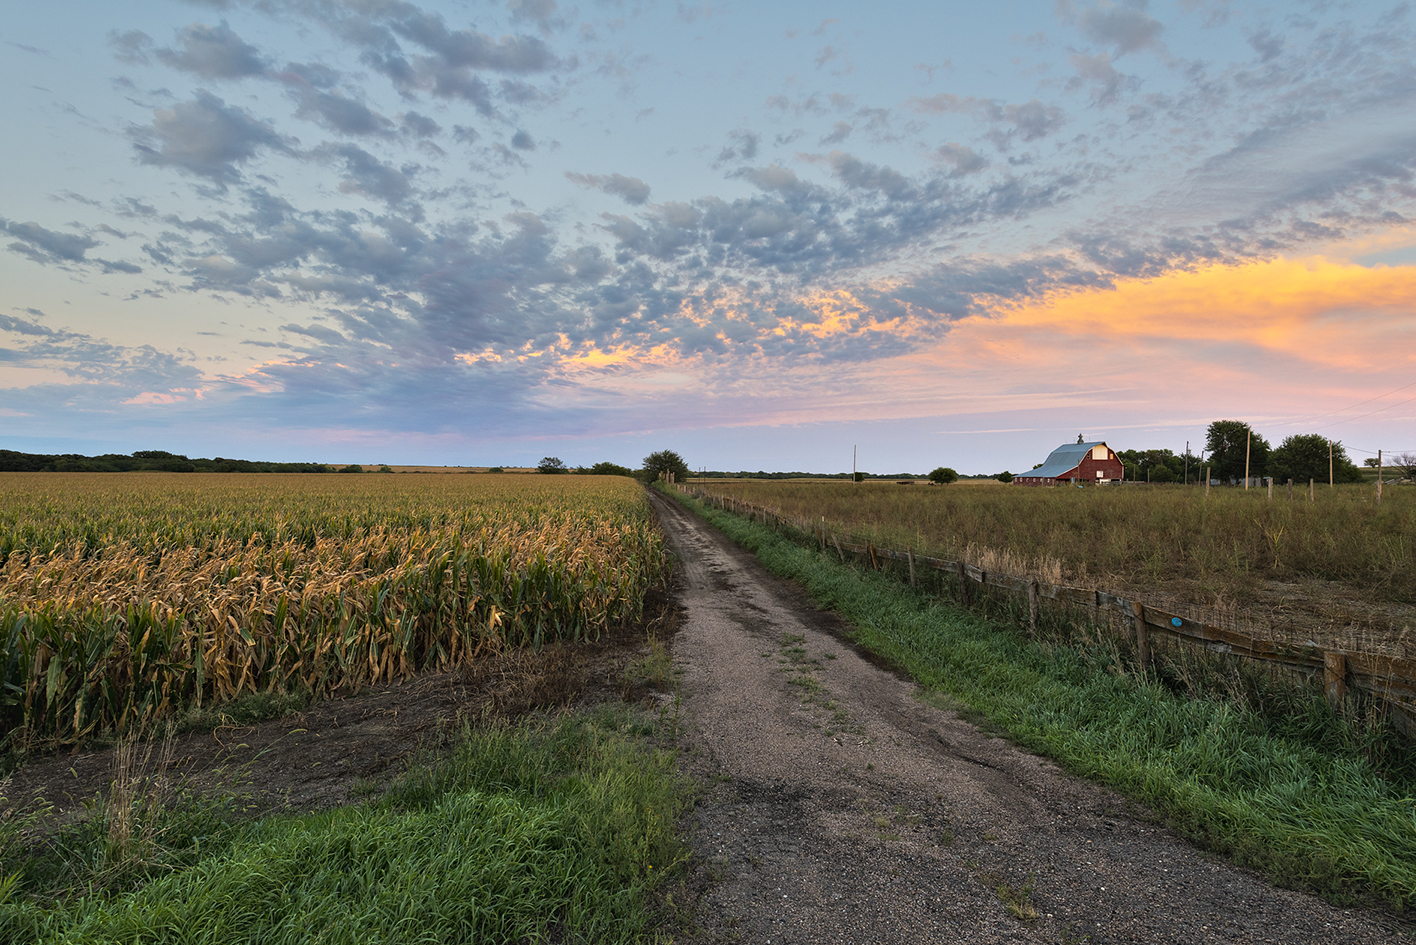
(759, 234)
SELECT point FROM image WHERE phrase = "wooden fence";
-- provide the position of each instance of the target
(1389, 679)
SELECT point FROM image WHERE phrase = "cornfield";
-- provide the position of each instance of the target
(124, 597)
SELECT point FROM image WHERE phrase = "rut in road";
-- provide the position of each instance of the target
(839, 807)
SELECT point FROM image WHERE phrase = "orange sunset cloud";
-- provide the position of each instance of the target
(1312, 309)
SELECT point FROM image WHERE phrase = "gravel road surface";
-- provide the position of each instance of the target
(839, 807)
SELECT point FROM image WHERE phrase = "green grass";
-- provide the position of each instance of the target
(1314, 801)
(552, 831)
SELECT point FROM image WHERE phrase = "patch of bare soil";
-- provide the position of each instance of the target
(838, 806)
(323, 756)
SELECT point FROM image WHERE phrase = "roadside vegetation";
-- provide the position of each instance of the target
(558, 829)
(1256, 768)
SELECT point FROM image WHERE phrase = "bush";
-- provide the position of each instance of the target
(943, 476)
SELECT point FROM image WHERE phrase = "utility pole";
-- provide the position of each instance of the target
(1329, 464)
(853, 463)
(1187, 462)
(1379, 477)
(1247, 440)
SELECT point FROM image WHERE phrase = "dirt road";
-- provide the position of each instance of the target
(838, 807)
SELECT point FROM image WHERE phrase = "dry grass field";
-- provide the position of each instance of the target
(124, 597)
(1334, 570)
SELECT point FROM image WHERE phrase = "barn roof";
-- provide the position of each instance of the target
(1063, 460)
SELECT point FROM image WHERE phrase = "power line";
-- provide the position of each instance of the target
(1362, 403)
(1370, 413)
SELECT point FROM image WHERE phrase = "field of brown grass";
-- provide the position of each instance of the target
(1334, 570)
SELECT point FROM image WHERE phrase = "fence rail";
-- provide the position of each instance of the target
(1389, 679)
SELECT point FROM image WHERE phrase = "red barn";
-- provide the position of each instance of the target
(1076, 462)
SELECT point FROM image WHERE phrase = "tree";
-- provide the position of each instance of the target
(943, 476)
(1005, 476)
(1304, 456)
(1226, 442)
(1405, 464)
(665, 461)
(608, 469)
(551, 465)
(352, 468)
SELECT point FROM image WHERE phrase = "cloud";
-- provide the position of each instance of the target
(211, 52)
(742, 147)
(1126, 28)
(522, 141)
(1106, 83)
(631, 190)
(420, 125)
(839, 132)
(205, 137)
(535, 11)
(47, 246)
(962, 158)
(131, 46)
(334, 110)
(1032, 119)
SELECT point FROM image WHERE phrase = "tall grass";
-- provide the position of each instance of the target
(123, 597)
(1300, 794)
(1214, 551)
(554, 831)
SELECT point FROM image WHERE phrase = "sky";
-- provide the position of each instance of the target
(763, 235)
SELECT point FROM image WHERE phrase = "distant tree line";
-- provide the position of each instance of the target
(144, 461)
(1299, 457)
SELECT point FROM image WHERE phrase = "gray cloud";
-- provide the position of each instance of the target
(962, 158)
(44, 245)
(742, 147)
(334, 110)
(1032, 120)
(1124, 27)
(213, 52)
(631, 190)
(205, 137)
(839, 132)
(131, 46)
(419, 125)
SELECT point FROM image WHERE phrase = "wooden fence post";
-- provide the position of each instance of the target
(1290, 490)
(870, 552)
(821, 533)
(910, 553)
(964, 590)
(1310, 489)
(1207, 482)
(1335, 677)
(1032, 607)
(839, 552)
(1143, 646)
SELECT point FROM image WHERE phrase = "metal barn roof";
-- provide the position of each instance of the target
(1063, 460)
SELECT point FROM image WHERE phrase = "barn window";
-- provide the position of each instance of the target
(1099, 452)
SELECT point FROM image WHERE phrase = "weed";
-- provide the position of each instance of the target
(1016, 899)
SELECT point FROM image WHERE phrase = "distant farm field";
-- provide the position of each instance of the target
(1336, 569)
(126, 596)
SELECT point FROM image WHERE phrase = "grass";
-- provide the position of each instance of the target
(1278, 783)
(554, 830)
(1219, 550)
